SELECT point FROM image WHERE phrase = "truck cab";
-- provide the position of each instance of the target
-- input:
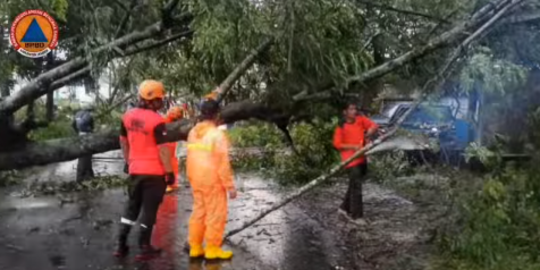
(435, 121)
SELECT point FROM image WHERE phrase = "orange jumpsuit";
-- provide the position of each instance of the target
(210, 175)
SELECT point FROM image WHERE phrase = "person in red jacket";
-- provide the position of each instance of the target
(349, 137)
(143, 139)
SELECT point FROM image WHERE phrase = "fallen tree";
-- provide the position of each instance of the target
(434, 83)
(68, 72)
(71, 148)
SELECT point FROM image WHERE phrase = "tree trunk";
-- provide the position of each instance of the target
(65, 149)
(49, 115)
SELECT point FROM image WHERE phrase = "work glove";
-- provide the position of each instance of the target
(169, 178)
(126, 168)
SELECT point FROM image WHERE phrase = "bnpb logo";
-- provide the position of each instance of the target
(34, 33)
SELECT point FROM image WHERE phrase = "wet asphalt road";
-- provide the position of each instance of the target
(42, 233)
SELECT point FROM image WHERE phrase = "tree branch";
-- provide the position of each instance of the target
(125, 20)
(242, 68)
(156, 44)
(433, 44)
(523, 18)
(402, 11)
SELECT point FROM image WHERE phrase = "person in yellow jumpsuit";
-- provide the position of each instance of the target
(210, 175)
(174, 114)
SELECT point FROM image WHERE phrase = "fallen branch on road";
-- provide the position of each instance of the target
(434, 83)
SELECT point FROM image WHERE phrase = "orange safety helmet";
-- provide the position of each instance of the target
(213, 95)
(151, 89)
(175, 113)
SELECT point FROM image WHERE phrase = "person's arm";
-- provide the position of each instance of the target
(370, 126)
(225, 172)
(91, 123)
(160, 135)
(338, 141)
(124, 145)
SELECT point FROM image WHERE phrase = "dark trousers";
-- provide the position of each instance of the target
(145, 193)
(84, 168)
(353, 204)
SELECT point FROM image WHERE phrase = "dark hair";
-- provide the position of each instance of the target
(346, 106)
(348, 103)
(209, 109)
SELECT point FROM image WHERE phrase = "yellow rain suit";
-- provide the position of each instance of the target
(210, 175)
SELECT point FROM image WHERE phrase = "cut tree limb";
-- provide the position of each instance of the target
(434, 83)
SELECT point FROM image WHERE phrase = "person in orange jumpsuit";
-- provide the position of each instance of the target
(143, 139)
(349, 137)
(210, 175)
(174, 114)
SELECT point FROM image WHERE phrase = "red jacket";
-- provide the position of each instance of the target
(352, 134)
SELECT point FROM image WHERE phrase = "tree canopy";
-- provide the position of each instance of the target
(318, 52)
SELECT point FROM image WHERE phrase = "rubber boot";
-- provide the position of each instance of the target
(216, 253)
(147, 251)
(196, 251)
(122, 249)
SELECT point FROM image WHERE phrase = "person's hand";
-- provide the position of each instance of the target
(169, 178)
(126, 168)
(232, 193)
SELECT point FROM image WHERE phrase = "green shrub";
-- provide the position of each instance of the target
(256, 135)
(57, 129)
(386, 166)
(315, 153)
(497, 226)
(313, 143)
